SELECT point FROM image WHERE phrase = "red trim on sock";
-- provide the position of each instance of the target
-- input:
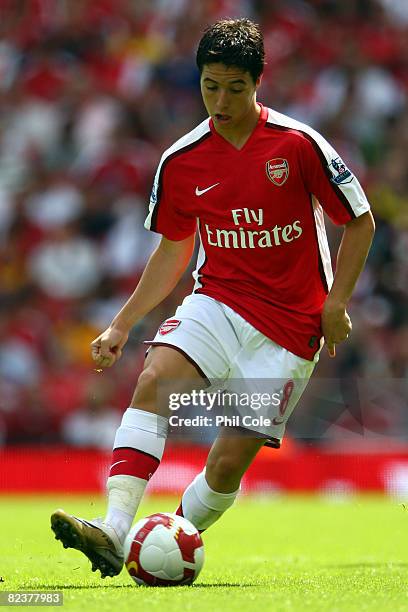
(133, 462)
(179, 510)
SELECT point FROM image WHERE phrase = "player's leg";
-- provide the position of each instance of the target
(138, 449)
(260, 368)
(198, 346)
(215, 489)
(229, 458)
(140, 440)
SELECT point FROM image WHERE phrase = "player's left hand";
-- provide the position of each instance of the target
(336, 325)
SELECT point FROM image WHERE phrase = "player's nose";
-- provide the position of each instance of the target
(222, 101)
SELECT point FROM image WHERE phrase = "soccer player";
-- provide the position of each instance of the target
(253, 184)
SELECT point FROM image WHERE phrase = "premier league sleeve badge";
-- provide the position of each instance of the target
(341, 174)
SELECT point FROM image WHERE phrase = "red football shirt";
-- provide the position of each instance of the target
(259, 213)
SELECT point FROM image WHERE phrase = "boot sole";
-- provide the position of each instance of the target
(66, 530)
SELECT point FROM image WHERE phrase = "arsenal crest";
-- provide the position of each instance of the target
(277, 170)
(168, 326)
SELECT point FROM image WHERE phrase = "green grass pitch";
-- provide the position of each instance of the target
(288, 553)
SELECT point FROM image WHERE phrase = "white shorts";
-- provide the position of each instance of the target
(229, 351)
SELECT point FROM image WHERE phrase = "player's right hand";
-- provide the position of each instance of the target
(107, 347)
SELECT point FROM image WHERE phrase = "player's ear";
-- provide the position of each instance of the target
(258, 81)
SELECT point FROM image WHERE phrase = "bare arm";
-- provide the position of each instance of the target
(354, 247)
(161, 274)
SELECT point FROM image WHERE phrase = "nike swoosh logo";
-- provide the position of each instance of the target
(113, 464)
(200, 192)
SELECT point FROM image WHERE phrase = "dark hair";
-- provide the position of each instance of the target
(233, 42)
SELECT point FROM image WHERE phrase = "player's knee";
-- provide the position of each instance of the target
(146, 388)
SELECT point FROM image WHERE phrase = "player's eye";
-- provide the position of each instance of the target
(211, 88)
(237, 90)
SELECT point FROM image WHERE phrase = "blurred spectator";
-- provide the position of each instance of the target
(66, 265)
(94, 425)
(127, 244)
(54, 204)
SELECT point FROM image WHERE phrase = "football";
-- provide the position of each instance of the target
(164, 550)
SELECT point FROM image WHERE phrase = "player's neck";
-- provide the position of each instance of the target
(239, 134)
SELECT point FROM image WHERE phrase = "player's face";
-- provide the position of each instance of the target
(229, 95)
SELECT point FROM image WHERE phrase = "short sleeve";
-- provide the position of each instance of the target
(331, 182)
(167, 216)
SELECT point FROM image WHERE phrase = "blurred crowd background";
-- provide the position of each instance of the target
(91, 92)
